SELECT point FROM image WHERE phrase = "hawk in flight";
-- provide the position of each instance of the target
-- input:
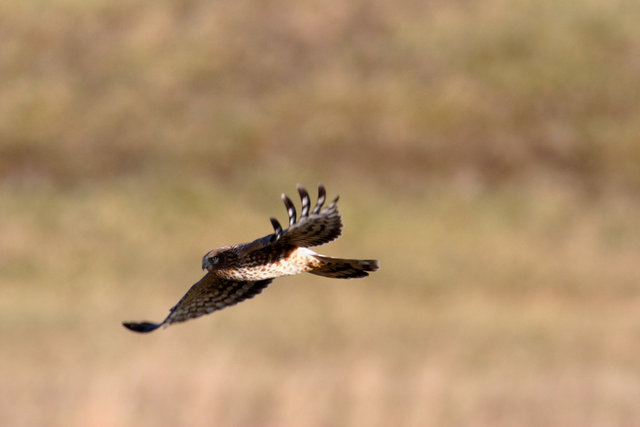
(242, 271)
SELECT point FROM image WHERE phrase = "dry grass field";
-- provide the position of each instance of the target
(487, 153)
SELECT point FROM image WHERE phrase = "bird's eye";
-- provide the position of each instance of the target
(214, 259)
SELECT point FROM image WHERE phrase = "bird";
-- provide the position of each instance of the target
(241, 271)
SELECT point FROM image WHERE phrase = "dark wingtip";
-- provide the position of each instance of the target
(322, 195)
(142, 327)
(276, 225)
(304, 198)
(291, 210)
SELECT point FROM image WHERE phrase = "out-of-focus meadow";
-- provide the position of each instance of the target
(487, 153)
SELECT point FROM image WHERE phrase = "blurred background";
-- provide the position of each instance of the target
(487, 153)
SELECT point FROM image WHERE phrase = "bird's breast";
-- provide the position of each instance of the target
(269, 264)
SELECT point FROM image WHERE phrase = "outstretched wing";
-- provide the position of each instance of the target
(313, 228)
(211, 293)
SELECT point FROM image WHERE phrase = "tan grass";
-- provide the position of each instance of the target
(499, 308)
(486, 152)
(491, 90)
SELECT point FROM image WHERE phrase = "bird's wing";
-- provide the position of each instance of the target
(313, 227)
(211, 293)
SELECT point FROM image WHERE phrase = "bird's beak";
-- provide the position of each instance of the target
(204, 265)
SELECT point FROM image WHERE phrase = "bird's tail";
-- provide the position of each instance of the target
(339, 268)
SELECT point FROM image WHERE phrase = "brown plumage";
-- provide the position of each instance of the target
(239, 272)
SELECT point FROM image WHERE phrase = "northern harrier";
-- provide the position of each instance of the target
(241, 271)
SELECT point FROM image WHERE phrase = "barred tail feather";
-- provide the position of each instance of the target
(339, 268)
(313, 227)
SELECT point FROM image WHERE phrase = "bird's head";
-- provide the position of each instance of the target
(212, 259)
